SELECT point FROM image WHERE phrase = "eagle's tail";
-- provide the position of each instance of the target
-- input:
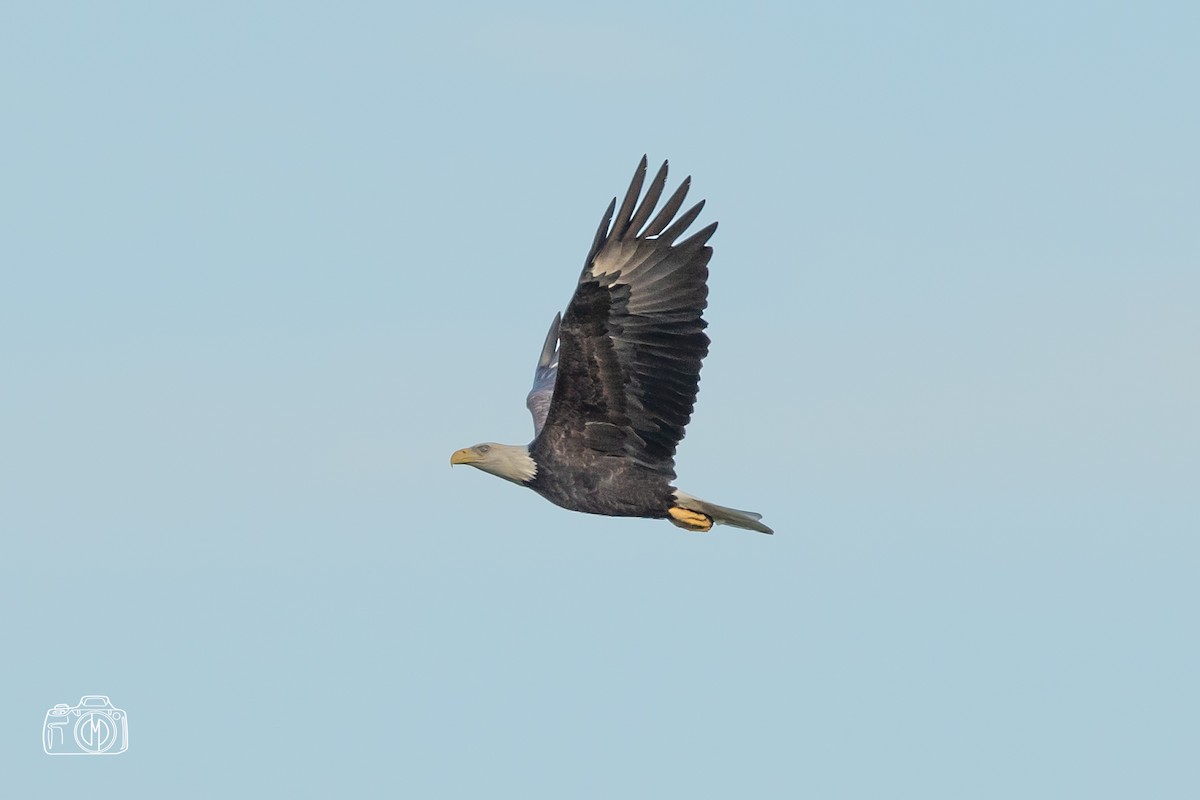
(721, 515)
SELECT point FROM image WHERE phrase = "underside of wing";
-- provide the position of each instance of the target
(538, 399)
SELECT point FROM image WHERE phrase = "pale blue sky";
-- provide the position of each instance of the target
(264, 266)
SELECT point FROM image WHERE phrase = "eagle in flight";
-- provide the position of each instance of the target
(617, 379)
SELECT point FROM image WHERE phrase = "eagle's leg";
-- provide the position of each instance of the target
(690, 520)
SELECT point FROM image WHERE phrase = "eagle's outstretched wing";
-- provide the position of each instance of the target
(538, 399)
(632, 339)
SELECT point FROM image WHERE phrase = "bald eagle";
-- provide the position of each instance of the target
(617, 379)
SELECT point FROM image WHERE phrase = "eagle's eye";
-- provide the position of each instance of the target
(483, 448)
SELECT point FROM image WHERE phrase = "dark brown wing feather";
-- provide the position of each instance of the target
(632, 339)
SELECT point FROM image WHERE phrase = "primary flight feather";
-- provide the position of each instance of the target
(617, 378)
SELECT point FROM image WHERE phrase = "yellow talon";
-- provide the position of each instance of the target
(690, 520)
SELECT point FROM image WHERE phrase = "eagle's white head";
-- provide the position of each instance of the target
(509, 461)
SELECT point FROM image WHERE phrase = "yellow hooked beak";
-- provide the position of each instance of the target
(464, 456)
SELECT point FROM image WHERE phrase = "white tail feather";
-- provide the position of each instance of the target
(721, 515)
